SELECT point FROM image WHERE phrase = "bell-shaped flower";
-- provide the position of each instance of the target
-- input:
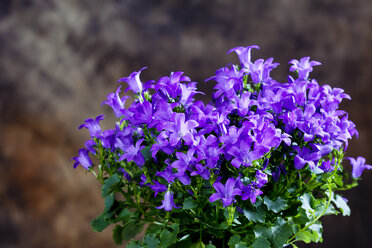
(303, 67)
(244, 54)
(93, 126)
(83, 159)
(168, 202)
(158, 187)
(359, 166)
(134, 81)
(116, 102)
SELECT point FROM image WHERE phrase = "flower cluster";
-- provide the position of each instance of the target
(256, 136)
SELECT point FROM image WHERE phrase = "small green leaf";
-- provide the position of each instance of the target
(338, 180)
(189, 203)
(276, 206)
(277, 234)
(261, 242)
(210, 246)
(241, 245)
(307, 200)
(255, 216)
(341, 204)
(233, 240)
(109, 184)
(124, 215)
(146, 153)
(199, 244)
(100, 223)
(117, 234)
(169, 237)
(134, 244)
(150, 241)
(109, 201)
(131, 229)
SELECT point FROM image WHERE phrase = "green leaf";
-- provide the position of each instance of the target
(233, 240)
(109, 201)
(210, 246)
(100, 223)
(117, 234)
(189, 203)
(153, 228)
(312, 234)
(169, 237)
(131, 229)
(276, 206)
(124, 215)
(241, 245)
(341, 204)
(277, 234)
(150, 241)
(307, 200)
(109, 184)
(134, 244)
(317, 230)
(261, 242)
(146, 153)
(255, 216)
(198, 244)
(338, 180)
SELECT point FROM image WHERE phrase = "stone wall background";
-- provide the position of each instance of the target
(59, 60)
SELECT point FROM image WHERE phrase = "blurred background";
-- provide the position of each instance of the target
(59, 60)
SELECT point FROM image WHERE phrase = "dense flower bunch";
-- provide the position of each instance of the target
(257, 167)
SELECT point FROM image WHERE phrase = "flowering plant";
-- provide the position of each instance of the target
(258, 167)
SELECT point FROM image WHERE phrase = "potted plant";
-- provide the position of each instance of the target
(257, 167)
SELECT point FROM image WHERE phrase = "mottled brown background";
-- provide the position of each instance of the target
(60, 58)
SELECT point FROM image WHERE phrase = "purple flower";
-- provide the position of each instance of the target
(116, 103)
(184, 160)
(202, 171)
(134, 81)
(244, 155)
(225, 193)
(158, 187)
(83, 159)
(305, 156)
(260, 70)
(249, 192)
(304, 67)
(261, 179)
(93, 126)
(168, 202)
(167, 174)
(90, 146)
(244, 54)
(133, 153)
(277, 171)
(358, 166)
(180, 129)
